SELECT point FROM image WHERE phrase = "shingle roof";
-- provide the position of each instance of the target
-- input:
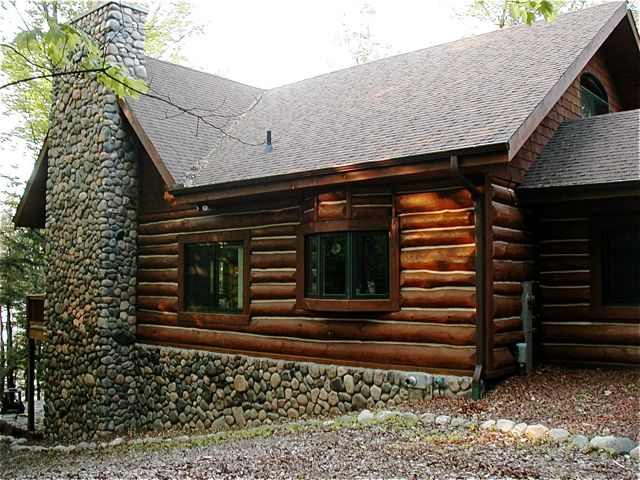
(596, 150)
(179, 138)
(469, 93)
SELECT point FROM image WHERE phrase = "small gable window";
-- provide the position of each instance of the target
(594, 96)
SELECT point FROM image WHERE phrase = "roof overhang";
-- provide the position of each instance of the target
(31, 211)
(572, 193)
(434, 166)
(620, 15)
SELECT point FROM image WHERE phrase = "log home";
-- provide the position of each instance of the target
(222, 254)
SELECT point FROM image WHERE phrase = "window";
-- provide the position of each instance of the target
(348, 265)
(615, 265)
(620, 266)
(594, 96)
(213, 278)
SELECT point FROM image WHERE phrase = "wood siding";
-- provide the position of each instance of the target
(572, 329)
(513, 252)
(433, 330)
(567, 108)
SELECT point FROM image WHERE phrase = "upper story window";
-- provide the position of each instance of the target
(213, 272)
(594, 96)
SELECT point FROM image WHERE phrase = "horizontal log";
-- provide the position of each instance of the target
(332, 330)
(565, 295)
(437, 220)
(513, 251)
(274, 309)
(567, 313)
(155, 317)
(563, 262)
(273, 244)
(162, 304)
(563, 230)
(162, 289)
(433, 201)
(431, 279)
(437, 237)
(592, 332)
(503, 234)
(332, 197)
(160, 261)
(502, 358)
(175, 213)
(332, 210)
(506, 271)
(506, 306)
(274, 276)
(274, 292)
(418, 355)
(274, 230)
(441, 259)
(508, 324)
(213, 222)
(507, 216)
(157, 275)
(507, 288)
(275, 260)
(606, 354)
(171, 249)
(564, 247)
(504, 195)
(382, 200)
(440, 315)
(371, 212)
(445, 298)
(565, 278)
(148, 240)
(507, 338)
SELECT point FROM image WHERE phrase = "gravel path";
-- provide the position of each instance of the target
(381, 451)
(582, 401)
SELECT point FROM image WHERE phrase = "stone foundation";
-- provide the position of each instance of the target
(198, 389)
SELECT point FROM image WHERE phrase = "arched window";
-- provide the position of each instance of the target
(594, 96)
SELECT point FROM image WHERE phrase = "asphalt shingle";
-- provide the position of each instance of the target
(596, 150)
(469, 93)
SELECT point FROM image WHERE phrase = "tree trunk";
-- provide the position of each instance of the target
(2, 354)
(10, 371)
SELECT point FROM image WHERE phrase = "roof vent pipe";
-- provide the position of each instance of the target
(268, 148)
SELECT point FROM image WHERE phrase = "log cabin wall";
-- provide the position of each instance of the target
(573, 328)
(433, 330)
(513, 246)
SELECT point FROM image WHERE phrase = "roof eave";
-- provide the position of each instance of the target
(31, 211)
(528, 127)
(146, 143)
(567, 193)
(477, 157)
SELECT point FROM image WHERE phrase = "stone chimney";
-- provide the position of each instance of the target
(90, 355)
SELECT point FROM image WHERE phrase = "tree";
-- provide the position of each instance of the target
(21, 273)
(507, 13)
(360, 41)
(42, 51)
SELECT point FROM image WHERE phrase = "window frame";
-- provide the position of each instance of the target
(392, 303)
(598, 224)
(589, 77)
(208, 319)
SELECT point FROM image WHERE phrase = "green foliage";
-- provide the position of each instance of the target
(507, 13)
(360, 41)
(45, 46)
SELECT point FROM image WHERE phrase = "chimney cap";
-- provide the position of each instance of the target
(98, 4)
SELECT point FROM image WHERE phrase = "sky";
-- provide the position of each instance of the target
(276, 42)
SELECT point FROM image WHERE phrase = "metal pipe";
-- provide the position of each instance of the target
(477, 388)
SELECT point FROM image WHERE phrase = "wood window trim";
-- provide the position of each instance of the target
(599, 310)
(212, 319)
(350, 305)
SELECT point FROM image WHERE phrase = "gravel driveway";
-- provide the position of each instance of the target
(593, 402)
